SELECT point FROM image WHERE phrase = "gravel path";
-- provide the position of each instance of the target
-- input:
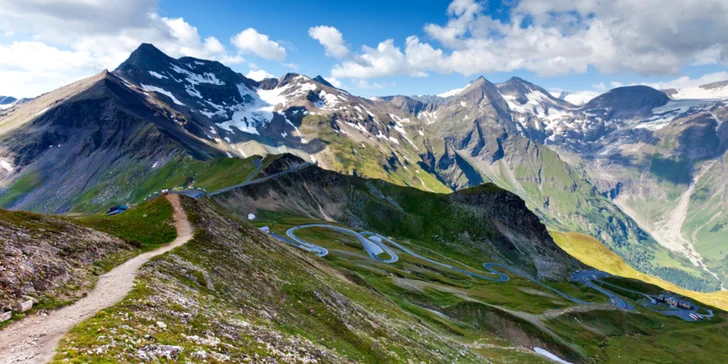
(35, 338)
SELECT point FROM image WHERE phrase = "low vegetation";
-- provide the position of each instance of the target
(593, 253)
(146, 226)
(234, 294)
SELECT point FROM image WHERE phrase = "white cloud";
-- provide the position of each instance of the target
(250, 41)
(562, 37)
(332, 40)
(334, 81)
(575, 97)
(365, 85)
(683, 82)
(259, 75)
(73, 39)
(385, 60)
(292, 66)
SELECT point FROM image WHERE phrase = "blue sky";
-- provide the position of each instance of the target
(434, 45)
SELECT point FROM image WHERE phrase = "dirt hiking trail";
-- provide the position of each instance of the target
(34, 339)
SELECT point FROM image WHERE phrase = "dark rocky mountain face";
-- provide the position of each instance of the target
(627, 102)
(102, 130)
(7, 100)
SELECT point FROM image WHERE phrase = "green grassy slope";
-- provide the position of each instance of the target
(485, 217)
(491, 318)
(183, 171)
(147, 225)
(593, 253)
(565, 200)
(234, 294)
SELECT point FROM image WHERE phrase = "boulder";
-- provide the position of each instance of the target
(4, 316)
(23, 306)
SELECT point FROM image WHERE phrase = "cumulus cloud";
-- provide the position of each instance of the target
(575, 97)
(365, 85)
(250, 41)
(332, 40)
(72, 39)
(334, 81)
(259, 75)
(555, 38)
(581, 97)
(684, 81)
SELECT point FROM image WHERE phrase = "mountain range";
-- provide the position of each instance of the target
(639, 169)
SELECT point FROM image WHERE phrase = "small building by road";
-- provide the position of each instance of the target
(115, 210)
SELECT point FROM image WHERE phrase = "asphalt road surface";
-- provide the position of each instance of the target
(374, 244)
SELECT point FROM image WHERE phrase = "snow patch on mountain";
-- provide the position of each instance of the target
(157, 75)
(6, 166)
(195, 78)
(358, 126)
(675, 109)
(450, 93)
(247, 117)
(303, 141)
(428, 116)
(163, 92)
(193, 92)
(701, 92)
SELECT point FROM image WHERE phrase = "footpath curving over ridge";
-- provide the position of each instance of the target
(34, 339)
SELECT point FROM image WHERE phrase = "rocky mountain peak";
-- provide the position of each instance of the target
(323, 81)
(479, 87)
(146, 56)
(627, 102)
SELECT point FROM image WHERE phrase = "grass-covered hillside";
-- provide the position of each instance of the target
(236, 294)
(486, 217)
(593, 253)
(566, 200)
(179, 172)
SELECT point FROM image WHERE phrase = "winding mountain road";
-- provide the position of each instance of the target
(501, 277)
(374, 245)
(250, 181)
(35, 338)
(587, 278)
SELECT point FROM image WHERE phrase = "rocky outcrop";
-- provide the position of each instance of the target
(522, 237)
(48, 259)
